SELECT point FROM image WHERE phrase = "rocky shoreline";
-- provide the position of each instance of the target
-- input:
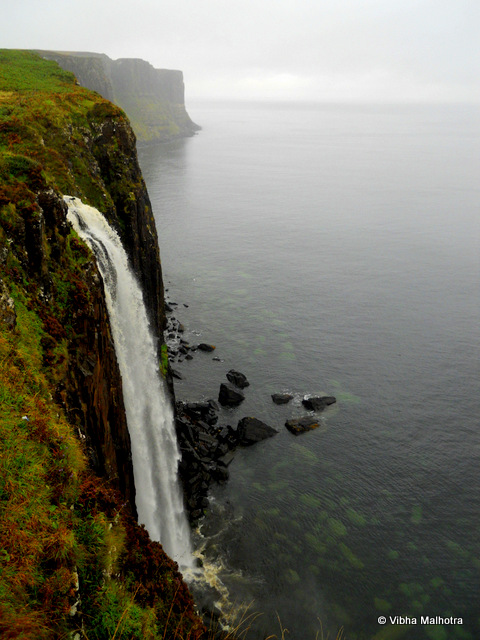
(208, 447)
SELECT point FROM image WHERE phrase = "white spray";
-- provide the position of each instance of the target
(150, 419)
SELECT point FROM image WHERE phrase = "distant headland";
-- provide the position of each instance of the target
(153, 99)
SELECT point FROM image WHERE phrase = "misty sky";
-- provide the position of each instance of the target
(333, 50)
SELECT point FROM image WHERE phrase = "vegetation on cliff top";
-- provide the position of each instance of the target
(72, 557)
(44, 116)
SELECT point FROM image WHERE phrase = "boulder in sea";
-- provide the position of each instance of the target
(229, 396)
(251, 430)
(318, 403)
(301, 425)
(238, 379)
(206, 411)
(206, 347)
(281, 398)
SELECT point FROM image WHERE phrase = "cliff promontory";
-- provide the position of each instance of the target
(153, 99)
(73, 560)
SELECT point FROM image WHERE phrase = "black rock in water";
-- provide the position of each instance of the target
(206, 347)
(318, 403)
(251, 430)
(301, 425)
(228, 396)
(238, 379)
(281, 398)
(206, 411)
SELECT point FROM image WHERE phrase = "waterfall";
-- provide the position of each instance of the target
(150, 418)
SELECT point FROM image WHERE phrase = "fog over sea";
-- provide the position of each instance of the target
(334, 249)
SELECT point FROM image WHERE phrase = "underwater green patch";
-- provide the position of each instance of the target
(382, 605)
(355, 517)
(302, 454)
(348, 554)
(391, 632)
(416, 517)
(343, 396)
(337, 527)
(291, 576)
(318, 545)
(437, 582)
(411, 590)
(436, 632)
(310, 501)
(286, 356)
(278, 486)
(455, 548)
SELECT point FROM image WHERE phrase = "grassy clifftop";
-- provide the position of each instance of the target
(44, 116)
(73, 561)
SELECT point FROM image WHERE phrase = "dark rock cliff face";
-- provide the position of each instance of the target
(153, 99)
(95, 160)
(94, 391)
(91, 70)
(76, 562)
(114, 150)
(91, 390)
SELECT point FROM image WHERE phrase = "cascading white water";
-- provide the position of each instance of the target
(150, 418)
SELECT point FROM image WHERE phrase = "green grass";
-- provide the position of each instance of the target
(20, 71)
(44, 115)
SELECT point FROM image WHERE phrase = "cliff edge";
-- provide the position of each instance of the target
(73, 560)
(153, 99)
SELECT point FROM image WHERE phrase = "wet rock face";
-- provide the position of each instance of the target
(318, 403)
(115, 151)
(302, 425)
(238, 379)
(252, 430)
(91, 392)
(94, 398)
(87, 149)
(229, 396)
(281, 398)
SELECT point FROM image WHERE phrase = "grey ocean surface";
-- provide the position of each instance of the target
(335, 249)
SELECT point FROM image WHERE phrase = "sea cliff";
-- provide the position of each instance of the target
(72, 558)
(153, 99)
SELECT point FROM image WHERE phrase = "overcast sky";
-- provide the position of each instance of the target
(334, 50)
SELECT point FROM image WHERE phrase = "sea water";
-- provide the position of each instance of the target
(335, 249)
